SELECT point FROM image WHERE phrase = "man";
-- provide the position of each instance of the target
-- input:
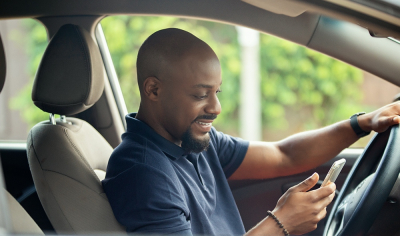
(169, 173)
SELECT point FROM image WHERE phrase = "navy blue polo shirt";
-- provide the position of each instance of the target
(155, 187)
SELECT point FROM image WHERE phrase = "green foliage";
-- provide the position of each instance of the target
(301, 89)
(35, 45)
(298, 81)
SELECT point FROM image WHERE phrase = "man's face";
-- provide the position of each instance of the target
(189, 101)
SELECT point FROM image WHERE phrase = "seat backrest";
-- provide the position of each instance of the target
(21, 221)
(68, 157)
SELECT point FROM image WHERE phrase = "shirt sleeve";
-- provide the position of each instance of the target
(230, 150)
(145, 200)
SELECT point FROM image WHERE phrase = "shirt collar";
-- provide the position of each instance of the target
(138, 127)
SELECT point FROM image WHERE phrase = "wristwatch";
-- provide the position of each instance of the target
(356, 127)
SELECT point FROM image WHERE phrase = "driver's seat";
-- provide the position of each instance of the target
(67, 156)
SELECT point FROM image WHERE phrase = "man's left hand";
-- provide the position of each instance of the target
(381, 119)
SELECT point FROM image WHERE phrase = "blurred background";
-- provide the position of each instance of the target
(271, 87)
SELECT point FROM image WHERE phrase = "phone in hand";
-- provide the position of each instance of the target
(333, 173)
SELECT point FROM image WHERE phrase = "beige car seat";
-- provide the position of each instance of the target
(67, 156)
(20, 221)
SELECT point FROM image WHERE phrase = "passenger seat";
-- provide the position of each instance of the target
(21, 222)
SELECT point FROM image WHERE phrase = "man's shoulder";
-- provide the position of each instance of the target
(131, 149)
(136, 151)
(217, 136)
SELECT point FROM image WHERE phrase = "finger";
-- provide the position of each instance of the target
(324, 202)
(384, 123)
(321, 214)
(307, 184)
(323, 192)
(389, 121)
(395, 120)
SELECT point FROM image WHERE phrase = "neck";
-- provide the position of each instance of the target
(150, 118)
(141, 115)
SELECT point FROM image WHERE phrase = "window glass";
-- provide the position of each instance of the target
(300, 89)
(24, 41)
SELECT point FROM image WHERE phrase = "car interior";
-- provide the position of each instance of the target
(53, 179)
(14, 217)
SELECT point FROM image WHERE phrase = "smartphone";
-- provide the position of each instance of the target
(333, 173)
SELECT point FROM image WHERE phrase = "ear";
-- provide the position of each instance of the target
(151, 88)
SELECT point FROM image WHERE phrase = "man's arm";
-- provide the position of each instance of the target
(307, 150)
(299, 210)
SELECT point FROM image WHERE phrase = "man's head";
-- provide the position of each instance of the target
(179, 77)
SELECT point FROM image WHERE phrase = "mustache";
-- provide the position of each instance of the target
(206, 117)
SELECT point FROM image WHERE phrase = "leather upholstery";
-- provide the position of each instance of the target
(2, 65)
(21, 221)
(68, 161)
(70, 78)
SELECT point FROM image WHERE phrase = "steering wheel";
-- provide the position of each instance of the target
(367, 186)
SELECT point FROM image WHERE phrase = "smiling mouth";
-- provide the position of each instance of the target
(204, 124)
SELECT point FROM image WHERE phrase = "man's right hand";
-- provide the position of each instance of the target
(300, 211)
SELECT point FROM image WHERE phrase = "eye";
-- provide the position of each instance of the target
(200, 97)
(218, 91)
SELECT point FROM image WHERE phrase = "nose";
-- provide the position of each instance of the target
(214, 106)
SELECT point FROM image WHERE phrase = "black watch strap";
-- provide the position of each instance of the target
(356, 127)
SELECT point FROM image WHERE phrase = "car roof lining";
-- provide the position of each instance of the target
(54, 23)
(288, 8)
(379, 9)
(382, 23)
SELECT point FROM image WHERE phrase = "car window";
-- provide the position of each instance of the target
(24, 41)
(300, 89)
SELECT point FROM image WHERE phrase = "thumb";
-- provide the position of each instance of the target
(307, 184)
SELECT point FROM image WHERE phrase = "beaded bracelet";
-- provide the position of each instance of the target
(278, 222)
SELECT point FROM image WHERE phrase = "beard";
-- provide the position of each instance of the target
(191, 144)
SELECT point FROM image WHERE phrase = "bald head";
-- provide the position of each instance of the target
(179, 77)
(160, 53)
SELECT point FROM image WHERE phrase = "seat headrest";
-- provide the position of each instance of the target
(2, 65)
(70, 78)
